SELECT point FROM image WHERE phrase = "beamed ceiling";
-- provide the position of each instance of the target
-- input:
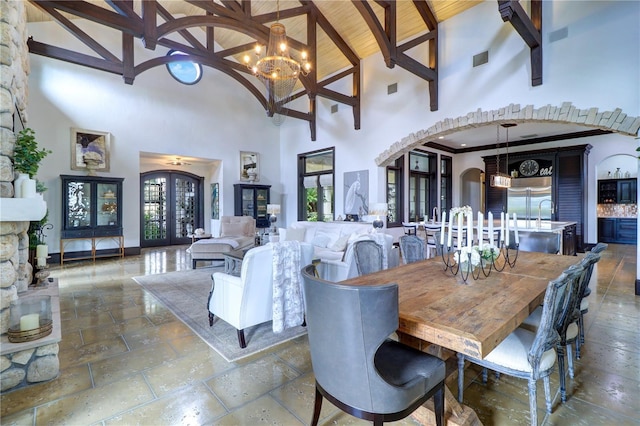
(337, 34)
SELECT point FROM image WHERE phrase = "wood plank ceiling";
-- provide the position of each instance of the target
(337, 33)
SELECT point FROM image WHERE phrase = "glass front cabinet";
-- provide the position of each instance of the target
(92, 206)
(252, 200)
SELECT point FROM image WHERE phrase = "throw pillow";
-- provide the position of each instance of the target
(233, 229)
(321, 240)
(340, 244)
(295, 234)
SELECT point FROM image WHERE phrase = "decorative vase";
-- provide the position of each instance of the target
(617, 174)
(17, 184)
(92, 166)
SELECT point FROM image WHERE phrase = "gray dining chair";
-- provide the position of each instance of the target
(355, 364)
(368, 255)
(412, 248)
(584, 301)
(525, 354)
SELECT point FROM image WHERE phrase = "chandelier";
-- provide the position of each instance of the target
(499, 179)
(276, 69)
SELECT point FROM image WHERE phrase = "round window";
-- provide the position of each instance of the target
(186, 72)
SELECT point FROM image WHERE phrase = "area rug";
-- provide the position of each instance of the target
(185, 293)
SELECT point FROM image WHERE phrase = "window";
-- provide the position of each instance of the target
(186, 72)
(316, 186)
(395, 175)
(422, 185)
(445, 183)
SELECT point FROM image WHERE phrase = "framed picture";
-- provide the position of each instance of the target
(356, 193)
(215, 203)
(90, 145)
(249, 166)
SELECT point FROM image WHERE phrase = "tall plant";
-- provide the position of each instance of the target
(26, 155)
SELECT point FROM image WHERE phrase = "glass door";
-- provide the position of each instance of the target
(171, 208)
(107, 204)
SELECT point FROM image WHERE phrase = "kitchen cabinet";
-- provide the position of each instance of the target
(252, 200)
(617, 191)
(617, 230)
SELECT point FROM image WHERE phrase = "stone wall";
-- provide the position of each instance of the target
(38, 364)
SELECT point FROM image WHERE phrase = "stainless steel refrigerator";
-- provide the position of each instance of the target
(527, 196)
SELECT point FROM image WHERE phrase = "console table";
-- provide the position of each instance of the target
(119, 240)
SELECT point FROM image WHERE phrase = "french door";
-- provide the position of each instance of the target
(172, 207)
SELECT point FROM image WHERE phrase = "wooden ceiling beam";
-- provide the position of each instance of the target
(168, 17)
(396, 55)
(73, 57)
(123, 7)
(530, 29)
(149, 11)
(78, 33)
(82, 9)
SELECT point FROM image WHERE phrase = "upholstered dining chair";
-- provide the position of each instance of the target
(525, 354)
(584, 302)
(368, 255)
(566, 325)
(411, 248)
(356, 366)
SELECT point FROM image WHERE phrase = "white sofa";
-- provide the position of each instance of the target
(333, 244)
(247, 300)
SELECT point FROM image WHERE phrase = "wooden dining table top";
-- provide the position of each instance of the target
(473, 317)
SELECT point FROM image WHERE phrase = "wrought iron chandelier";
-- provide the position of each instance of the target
(499, 179)
(276, 69)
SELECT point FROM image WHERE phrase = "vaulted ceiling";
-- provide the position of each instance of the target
(217, 33)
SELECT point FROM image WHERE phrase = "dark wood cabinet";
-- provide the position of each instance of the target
(617, 230)
(627, 191)
(252, 200)
(617, 191)
(91, 206)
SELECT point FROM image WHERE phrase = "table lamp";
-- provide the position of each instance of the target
(273, 210)
(378, 210)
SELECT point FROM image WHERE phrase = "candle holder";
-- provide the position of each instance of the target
(474, 263)
(42, 275)
(29, 319)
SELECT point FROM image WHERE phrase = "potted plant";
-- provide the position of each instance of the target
(26, 161)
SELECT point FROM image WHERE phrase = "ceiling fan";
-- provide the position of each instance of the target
(178, 162)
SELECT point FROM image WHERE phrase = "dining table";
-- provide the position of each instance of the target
(438, 309)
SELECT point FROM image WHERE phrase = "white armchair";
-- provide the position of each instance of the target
(247, 300)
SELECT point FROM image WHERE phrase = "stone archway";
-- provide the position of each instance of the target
(612, 121)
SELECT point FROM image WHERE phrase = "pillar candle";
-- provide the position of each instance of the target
(449, 237)
(501, 228)
(29, 322)
(42, 250)
(459, 231)
(470, 229)
(506, 232)
(42, 261)
(443, 220)
(515, 227)
(480, 227)
(490, 220)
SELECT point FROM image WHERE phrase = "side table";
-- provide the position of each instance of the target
(233, 261)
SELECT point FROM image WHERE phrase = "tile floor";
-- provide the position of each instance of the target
(125, 359)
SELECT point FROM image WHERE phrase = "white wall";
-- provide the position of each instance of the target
(214, 119)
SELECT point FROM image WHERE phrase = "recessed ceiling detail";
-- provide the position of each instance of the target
(566, 114)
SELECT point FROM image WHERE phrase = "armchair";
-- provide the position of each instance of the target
(247, 300)
(356, 367)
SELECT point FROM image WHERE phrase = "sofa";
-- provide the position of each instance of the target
(333, 245)
(236, 233)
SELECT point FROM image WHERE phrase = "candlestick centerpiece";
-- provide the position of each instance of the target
(475, 257)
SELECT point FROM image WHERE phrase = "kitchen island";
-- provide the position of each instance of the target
(565, 231)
